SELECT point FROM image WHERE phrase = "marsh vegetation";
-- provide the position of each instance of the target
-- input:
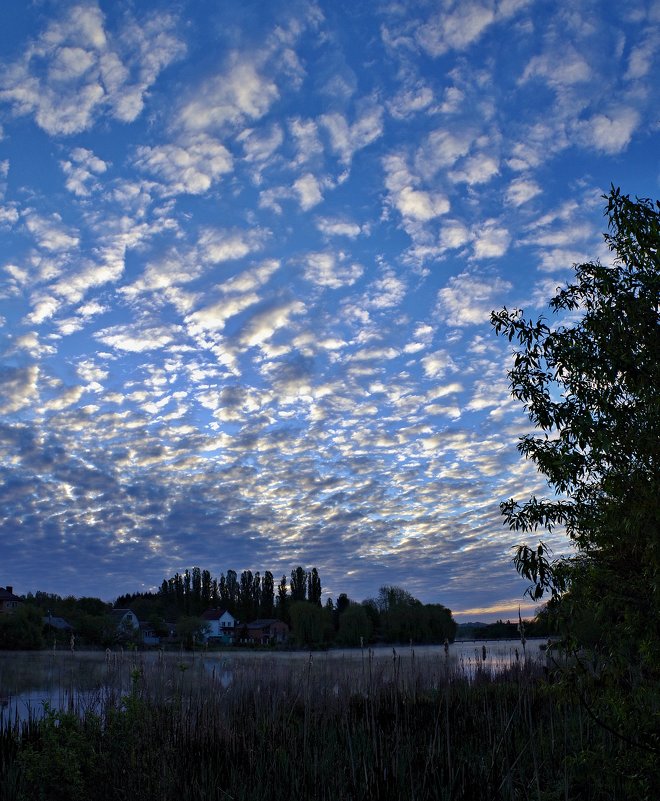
(375, 726)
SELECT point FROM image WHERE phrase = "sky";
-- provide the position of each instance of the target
(249, 255)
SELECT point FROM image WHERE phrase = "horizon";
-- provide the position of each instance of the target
(249, 259)
(487, 616)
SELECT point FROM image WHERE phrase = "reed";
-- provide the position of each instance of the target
(404, 727)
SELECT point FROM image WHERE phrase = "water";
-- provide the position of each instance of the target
(86, 680)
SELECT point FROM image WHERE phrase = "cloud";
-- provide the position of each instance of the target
(642, 56)
(455, 30)
(346, 139)
(469, 298)
(477, 169)
(81, 171)
(521, 190)
(238, 294)
(330, 270)
(8, 215)
(491, 241)
(454, 234)
(190, 166)
(560, 67)
(50, 233)
(337, 227)
(78, 70)
(230, 98)
(65, 399)
(214, 316)
(139, 338)
(308, 190)
(218, 244)
(410, 101)
(437, 364)
(263, 325)
(83, 277)
(420, 205)
(83, 315)
(259, 146)
(442, 148)
(414, 204)
(18, 388)
(611, 132)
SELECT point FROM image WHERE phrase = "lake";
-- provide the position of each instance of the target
(86, 680)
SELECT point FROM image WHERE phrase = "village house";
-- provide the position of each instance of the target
(149, 635)
(56, 624)
(266, 632)
(221, 626)
(126, 621)
(9, 602)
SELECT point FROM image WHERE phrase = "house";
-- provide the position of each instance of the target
(127, 623)
(9, 602)
(149, 634)
(221, 626)
(125, 618)
(266, 632)
(57, 623)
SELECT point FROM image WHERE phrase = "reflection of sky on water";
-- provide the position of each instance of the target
(84, 681)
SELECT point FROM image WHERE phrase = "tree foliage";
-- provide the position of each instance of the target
(590, 384)
(22, 630)
(311, 624)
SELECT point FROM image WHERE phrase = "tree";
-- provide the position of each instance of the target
(591, 386)
(283, 600)
(314, 587)
(246, 596)
(298, 584)
(389, 597)
(267, 595)
(206, 590)
(21, 630)
(231, 583)
(355, 627)
(256, 594)
(191, 630)
(196, 591)
(187, 582)
(311, 624)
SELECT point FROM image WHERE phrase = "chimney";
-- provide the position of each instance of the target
(10, 590)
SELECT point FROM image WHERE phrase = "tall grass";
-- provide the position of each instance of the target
(397, 728)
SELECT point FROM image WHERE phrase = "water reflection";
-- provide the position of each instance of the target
(87, 680)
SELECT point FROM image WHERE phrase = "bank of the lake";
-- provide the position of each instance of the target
(397, 725)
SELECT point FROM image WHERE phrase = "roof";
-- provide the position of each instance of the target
(215, 614)
(264, 623)
(57, 623)
(121, 612)
(147, 626)
(6, 595)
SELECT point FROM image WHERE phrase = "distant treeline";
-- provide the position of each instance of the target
(541, 626)
(246, 597)
(393, 616)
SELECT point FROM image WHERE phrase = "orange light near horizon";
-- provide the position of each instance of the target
(506, 609)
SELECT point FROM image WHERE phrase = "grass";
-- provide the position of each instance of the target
(403, 727)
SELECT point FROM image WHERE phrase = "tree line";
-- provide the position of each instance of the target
(393, 616)
(246, 597)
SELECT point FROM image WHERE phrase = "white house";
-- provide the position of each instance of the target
(126, 622)
(221, 625)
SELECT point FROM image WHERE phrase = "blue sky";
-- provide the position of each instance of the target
(249, 254)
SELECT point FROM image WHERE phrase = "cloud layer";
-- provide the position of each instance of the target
(248, 269)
